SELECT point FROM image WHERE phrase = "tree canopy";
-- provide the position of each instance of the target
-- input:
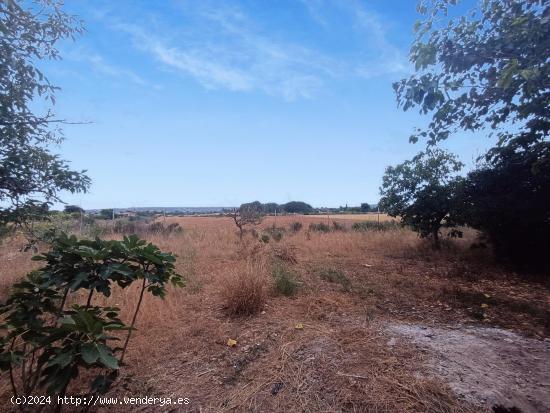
(31, 177)
(488, 68)
(73, 209)
(297, 207)
(421, 191)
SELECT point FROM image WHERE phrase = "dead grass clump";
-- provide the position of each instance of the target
(286, 253)
(276, 233)
(248, 250)
(296, 226)
(319, 227)
(337, 226)
(244, 291)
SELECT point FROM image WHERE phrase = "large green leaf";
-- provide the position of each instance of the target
(89, 353)
(106, 357)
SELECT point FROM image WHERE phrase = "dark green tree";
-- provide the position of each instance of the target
(422, 192)
(510, 203)
(271, 208)
(71, 209)
(365, 207)
(488, 70)
(106, 213)
(31, 177)
(297, 207)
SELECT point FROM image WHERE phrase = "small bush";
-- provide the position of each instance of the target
(174, 228)
(277, 236)
(45, 319)
(286, 281)
(336, 226)
(159, 228)
(276, 232)
(94, 231)
(156, 227)
(296, 227)
(333, 275)
(366, 226)
(244, 293)
(264, 238)
(124, 226)
(286, 253)
(320, 227)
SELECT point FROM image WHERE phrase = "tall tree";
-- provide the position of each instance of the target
(421, 192)
(31, 177)
(488, 70)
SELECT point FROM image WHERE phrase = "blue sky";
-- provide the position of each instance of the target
(215, 103)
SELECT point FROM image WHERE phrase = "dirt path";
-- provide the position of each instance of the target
(486, 366)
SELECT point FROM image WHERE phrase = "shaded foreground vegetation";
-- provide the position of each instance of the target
(307, 314)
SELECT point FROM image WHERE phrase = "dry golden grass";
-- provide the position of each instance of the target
(339, 361)
(373, 216)
(245, 288)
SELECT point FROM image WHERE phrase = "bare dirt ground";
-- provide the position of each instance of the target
(485, 366)
(352, 344)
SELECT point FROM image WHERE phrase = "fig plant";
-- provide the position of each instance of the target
(45, 342)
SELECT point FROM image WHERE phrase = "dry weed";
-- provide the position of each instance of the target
(339, 362)
(244, 290)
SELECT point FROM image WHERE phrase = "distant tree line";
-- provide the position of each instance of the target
(299, 207)
(293, 207)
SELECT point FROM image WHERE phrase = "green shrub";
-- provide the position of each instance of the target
(333, 275)
(264, 238)
(366, 226)
(48, 344)
(286, 281)
(320, 227)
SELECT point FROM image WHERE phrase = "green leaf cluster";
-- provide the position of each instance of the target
(31, 177)
(47, 343)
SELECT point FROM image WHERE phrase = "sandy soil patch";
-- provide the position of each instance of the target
(486, 366)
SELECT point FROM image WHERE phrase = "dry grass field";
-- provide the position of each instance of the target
(351, 217)
(329, 346)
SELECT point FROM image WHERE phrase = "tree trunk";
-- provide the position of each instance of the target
(435, 239)
(133, 320)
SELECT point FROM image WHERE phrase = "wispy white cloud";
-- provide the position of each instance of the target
(385, 57)
(222, 47)
(379, 56)
(245, 61)
(101, 66)
(315, 10)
